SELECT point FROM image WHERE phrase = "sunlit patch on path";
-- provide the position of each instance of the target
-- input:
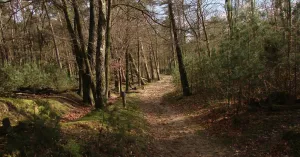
(172, 134)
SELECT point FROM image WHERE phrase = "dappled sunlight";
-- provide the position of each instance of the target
(175, 131)
(149, 78)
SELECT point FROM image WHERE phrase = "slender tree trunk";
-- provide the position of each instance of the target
(173, 49)
(156, 61)
(117, 81)
(13, 30)
(91, 45)
(100, 57)
(123, 75)
(289, 16)
(4, 49)
(198, 27)
(116, 70)
(57, 54)
(39, 57)
(138, 56)
(80, 66)
(131, 73)
(107, 49)
(120, 79)
(145, 63)
(228, 4)
(127, 68)
(70, 71)
(127, 49)
(295, 70)
(151, 56)
(204, 28)
(140, 80)
(296, 59)
(195, 31)
(32, 58)
(182, 71)
(135, 69)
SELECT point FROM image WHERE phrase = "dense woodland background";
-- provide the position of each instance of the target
(237, 53)
(235, 50)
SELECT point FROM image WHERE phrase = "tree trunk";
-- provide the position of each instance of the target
(151, 56)
(75, 45)
(127, 69)
(156, 62)
(195, 31)
(145, 63)
(70, 69)
(131, 74)
(81, 57)
(135, 69)
(89, 83)
(3, 48)
(80, 66)
(173, 51)
(228, 4)
(91, 49)
(120, 81)
(39, 57)
(182, 71)
(140, 80)
(229, 15)
(116, 69)
(204, 28)
(107, 49)
(289, 16)
(53, 39)
(100, 57)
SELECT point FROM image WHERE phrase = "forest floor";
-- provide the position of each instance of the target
(157, 121)
(190, 127)
(170, 130)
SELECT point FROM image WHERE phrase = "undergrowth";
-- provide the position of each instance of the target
(112, 132)
(35, 77)
(37, 129)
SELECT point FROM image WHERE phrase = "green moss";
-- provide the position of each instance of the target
(25, 109)
(73, 148)
(17, 109)
(114, 119)
(115, 124)
(94, 116)
(59, 107)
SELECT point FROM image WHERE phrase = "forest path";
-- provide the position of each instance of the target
(172, 133)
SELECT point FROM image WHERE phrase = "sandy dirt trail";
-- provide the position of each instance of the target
(171, 132)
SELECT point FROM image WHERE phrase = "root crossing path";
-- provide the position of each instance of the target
(171, 133)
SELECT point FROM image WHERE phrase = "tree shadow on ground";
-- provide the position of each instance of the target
(36, 136)
(68, 98)
(259, 133)
(13, 109)
(115, 131)
(249, 133)
(177, 129)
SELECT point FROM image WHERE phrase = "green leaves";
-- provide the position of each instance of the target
(33, 76)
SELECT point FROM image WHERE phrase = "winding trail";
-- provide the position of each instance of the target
(172, 134)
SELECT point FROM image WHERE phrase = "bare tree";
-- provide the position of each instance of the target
(182, 71)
